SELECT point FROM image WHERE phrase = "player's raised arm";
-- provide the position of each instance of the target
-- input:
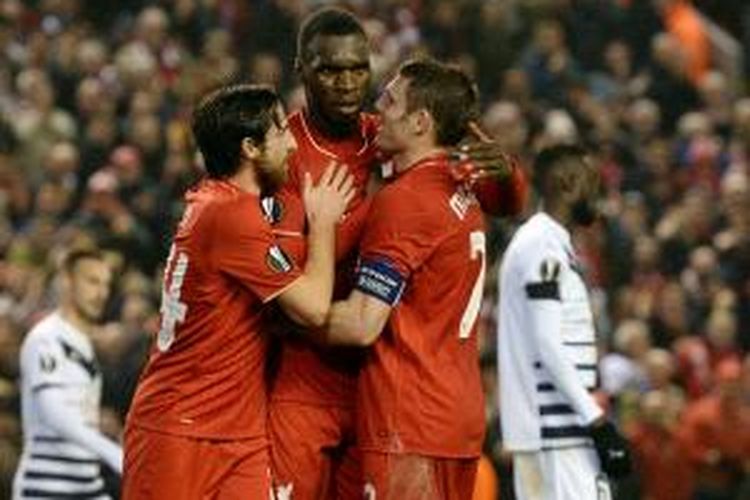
(308, 299)
(495, 176)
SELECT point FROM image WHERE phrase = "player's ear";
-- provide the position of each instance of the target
(572, 183)
(423, 122)
(249, 149)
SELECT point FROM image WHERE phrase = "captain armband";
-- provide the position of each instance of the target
(379, 278)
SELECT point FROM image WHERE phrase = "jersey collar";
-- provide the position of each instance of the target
(562, 234)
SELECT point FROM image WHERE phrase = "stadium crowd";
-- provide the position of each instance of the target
(95, 148)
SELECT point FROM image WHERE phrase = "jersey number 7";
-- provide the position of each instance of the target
(471, 313)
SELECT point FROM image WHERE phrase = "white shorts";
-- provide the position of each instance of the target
(559, 474)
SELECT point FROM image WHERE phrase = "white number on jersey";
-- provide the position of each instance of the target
(369, 492)
(477, 251)
(172, 310)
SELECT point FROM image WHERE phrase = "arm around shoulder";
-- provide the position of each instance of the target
(357, 321)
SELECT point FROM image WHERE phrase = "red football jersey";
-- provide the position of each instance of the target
(205, 373)
(308, 373)
(423, 252)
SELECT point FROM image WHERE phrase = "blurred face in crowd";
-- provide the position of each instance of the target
(336, 76)
(279, 144)
(505, 123)
(87, 285)
(659, 409)
(659, 368)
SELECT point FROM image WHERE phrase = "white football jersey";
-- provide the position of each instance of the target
(55, 356)
(547, 356)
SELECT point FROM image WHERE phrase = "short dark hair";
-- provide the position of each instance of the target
(326, 22)
(553, 157)
(76, 255)
(446, 92)
(226, 116)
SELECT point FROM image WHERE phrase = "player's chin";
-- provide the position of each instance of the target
(275, 180)
(346, 113)
(385, 144)
(93, 312)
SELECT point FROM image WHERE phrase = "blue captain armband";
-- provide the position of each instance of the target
(379, 278)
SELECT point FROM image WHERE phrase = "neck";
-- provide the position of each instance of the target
(559, 212)
(72, 316)
(408, 158)
(246, 178)
(328, 128)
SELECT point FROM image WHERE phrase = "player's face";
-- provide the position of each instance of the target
(392, 105)
(89, 288)
(279, 144)
(337, 76)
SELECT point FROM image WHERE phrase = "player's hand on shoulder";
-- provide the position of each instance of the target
(612, 448)
(326, 201)
(480, 157)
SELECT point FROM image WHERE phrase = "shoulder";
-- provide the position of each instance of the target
(44, 336)
(401, 201)
(235, 211)
(296, 122)
(46, 329)
(534, 247)
(535, 237)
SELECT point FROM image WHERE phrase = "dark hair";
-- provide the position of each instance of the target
(553, 157)
(326, 22)
(446, 92)
(73, 257)
(226, 116)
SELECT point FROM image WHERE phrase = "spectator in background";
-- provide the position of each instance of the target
(682, 20)
(716, 429)
(660, 452)
(622, 370)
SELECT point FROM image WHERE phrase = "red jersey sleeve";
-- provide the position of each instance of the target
(246, 250)
(503, 197)
(400, 234)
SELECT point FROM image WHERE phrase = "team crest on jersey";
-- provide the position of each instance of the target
(272, 208)
(47, 363)
(549, 270)
(277, 260)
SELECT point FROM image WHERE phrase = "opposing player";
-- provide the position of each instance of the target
(197, 426)
(61, 388)
(311, 419)
(547, 344)
(418, 289)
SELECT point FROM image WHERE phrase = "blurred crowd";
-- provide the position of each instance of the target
(95, 149)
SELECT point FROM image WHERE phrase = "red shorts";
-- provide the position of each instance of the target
(312, 452)
(160, 466)
(416, 477)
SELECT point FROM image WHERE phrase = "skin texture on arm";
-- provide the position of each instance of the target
(358, 320)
